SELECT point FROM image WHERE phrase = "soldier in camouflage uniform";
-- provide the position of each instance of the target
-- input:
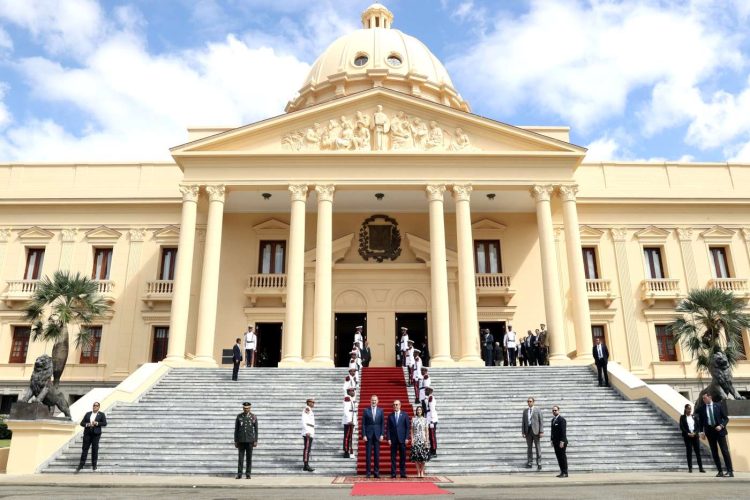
(245, 438)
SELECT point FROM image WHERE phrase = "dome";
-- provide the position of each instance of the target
(377, 56)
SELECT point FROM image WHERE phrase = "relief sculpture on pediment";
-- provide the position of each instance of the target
(377, 132)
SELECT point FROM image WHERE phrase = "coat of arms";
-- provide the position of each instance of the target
(379, 238)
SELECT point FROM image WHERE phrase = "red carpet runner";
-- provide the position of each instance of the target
(388, 384)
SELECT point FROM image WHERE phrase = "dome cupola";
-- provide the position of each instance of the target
(377, 56)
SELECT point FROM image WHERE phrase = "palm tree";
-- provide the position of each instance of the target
(712, 322)
(59, 303)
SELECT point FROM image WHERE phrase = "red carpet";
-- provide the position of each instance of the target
(396, 488)
(388, 384)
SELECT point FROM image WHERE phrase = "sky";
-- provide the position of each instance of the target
(122, 80)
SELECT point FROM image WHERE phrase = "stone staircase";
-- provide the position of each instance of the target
(480, 412)
(185, 425)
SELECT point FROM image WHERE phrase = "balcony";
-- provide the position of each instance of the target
(660, 289)
(106, 289)
(738, 286)
(600, 289)
(158, 291)
(19, 291)
(494, 285)
(265, 285)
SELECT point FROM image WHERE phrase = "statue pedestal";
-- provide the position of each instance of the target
(35, 440)
(738, 407)
(29, 411)
(739, 433)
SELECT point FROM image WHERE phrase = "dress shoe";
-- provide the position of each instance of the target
(539, 467)
(565, 474)
(690, 471)
(238, 476)
(730, 474)
(528, 466)
(247, 476)
(701, 470)
(393, 476)
(367, 476)
(93, 467)
(403, 476)
(377, 475)
(719, 474)
(307, 468)
(560, 475)
(78, 469)
(346, 455)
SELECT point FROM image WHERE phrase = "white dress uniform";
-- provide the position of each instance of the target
(424, 384)
(358, 339)
(432, 423)
(404, 342)
(410, 357)
(356, 363)
(308, 433)
(350, 382)
(349, 420)
(417, 377)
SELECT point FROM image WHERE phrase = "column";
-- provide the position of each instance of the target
(178, 317)
(550, 279)
(323, 270)
(295, 279)
(441, 342)
(581, 313)
(620, 238)
(685, 235)
(69, 237)
(467, 288)
(209, 295)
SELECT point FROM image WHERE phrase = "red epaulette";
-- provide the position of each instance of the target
(347, 378)
(430, 400)
(347, 399)
(426, 377)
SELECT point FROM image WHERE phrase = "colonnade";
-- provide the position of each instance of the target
(322, 313)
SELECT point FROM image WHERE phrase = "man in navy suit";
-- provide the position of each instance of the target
(372, 432)
(398, 437)
(713, 423)
(92, 423)
(236, 358)
(601, 358)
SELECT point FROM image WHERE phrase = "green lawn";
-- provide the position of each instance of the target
(4, 443)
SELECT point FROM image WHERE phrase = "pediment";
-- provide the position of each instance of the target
(377, 121)
(272, 229)
(35, 233)
(421, 249)
(168, 233)
(339, 247)
(590, 234)
(717, 233)
(103, 233)
(652, 233)
(488, 225)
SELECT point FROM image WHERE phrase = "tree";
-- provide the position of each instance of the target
(712, 321)
(59, 303)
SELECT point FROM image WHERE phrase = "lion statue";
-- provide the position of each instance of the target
(722, 383)
(42, 389)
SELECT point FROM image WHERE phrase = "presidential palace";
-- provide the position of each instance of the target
(378, 199)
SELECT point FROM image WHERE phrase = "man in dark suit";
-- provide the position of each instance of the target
(92, 423)
(713, 422)
(601, 357)
(236, 358)
(366, 354)
(373, 423)
(559, 438)
(398, 437)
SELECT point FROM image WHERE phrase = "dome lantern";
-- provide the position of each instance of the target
(377, 16)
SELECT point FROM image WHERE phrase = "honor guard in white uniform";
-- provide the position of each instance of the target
(348, 421)
(424, 383)
(404, 344)
(417, 374)
(356, 363)
(409, 354)
(251, 341)
(308, 433)
(350, 382)
(358, 338)
(432, 420)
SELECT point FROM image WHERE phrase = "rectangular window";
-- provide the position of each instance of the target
(102, 263)
(597, 332)
(34, 261)
(589, 263)
(665, 342)
(90, 351)
(654, 267)
(166, 266)
(160, 343)
(487, 257)
(720, 262)
(20, 345)
(272, 257)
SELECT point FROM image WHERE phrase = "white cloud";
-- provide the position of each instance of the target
(6, 43)
(583, 60)
(5, 115)
(603, 149)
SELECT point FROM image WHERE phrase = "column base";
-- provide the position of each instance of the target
(442, 361)
(559, 360)
(203, 361)
(291, 363)
(176, 362)
(470, 361)
(322, 362)
(584, 359)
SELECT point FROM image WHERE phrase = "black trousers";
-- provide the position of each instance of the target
(488, 356)
(512, 356)
(433, 437)
(348, 431)
(533, 355)
(543, 356)
(601, 372)
(90, 440)
(562, 456)
(249, 357)
(245, 450)
(691, 444)
(401, 449)
(236, 369)
(716, 442)
(307, 449)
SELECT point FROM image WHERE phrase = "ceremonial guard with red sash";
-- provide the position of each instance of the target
(349, 420)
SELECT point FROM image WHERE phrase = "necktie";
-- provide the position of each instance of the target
(600, 351)
(711, 415)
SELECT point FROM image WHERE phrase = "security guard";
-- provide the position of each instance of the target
(245, 438)
(348, 421)
(308, 432)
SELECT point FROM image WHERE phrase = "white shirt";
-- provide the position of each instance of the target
(351, 383)
(424, 384)
(528, 419)
(599, 350)
(404, 342)
(510, 341)
(93, 416)
(417, 370)
(349, 412)
(432, 415)
(358, 339)
(410, 356)
(308, 421)
(690, 423)
(250, 340)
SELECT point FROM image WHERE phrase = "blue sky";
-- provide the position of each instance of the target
(92, 80)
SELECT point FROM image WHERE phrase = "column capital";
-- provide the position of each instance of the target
(746, 233)
(684, 233)
(435, 192)
(137, 234)
(541, 192)
(619, 233)
(298, 192)
(69, 234)
(216, 192)
(325, 191)
(462, 192)
(189, 192)
(568, 193)
(5, 234)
